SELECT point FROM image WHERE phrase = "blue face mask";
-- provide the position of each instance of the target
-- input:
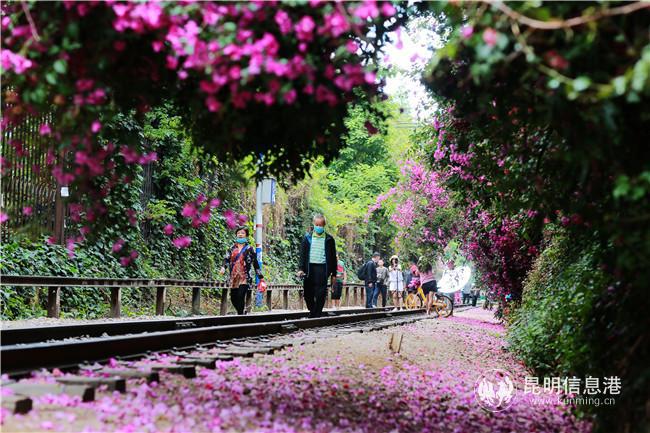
(319, 230)
(242, 240)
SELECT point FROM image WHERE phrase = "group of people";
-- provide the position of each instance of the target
(379, 280)
(320, 265)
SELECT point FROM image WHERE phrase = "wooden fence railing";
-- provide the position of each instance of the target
(54, 285)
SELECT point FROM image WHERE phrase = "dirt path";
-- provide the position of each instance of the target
(351, 383)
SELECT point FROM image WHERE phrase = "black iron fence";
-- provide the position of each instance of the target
(27, 183)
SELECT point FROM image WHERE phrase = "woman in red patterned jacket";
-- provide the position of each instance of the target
(241, 258)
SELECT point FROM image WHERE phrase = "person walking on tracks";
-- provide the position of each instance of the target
(317, 265)
(240, 259)
(368, 273)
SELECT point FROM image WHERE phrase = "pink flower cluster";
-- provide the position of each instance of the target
(250, 57)
(233, 219)
(200, 210)
(230, 55)
(11, 61)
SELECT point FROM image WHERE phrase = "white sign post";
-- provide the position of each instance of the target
(265, 194)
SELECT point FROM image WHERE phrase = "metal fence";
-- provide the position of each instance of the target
(26, 179)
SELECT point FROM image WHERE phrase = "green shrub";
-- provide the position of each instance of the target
(549, 331)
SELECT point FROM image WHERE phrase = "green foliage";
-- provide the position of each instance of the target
(548, 330)
(40, 258)
(181, 175)
(549, 103)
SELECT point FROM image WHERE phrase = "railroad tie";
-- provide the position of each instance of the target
(262, 345)
(204, 361)
(247, 352)
(188, 371)
(17, 403)
(86, 392)
(114, 383)
(150, 376)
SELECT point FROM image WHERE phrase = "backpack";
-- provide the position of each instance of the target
(362, 271)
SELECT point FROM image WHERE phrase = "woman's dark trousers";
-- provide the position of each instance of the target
(238, 297)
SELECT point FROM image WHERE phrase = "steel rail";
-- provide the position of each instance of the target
(35, 334)
(23, 358)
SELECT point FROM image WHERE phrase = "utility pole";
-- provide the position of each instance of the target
(264, 194)
(259, 235)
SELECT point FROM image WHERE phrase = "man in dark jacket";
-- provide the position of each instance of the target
(370, 278)
(317, 265)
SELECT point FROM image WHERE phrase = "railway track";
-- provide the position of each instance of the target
(110, 362)
(40, 334)
(65, 347)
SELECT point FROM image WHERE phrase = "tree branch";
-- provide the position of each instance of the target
(32, 25)
(571, 22)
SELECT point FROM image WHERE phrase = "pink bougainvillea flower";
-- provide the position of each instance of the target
(84, 85)
(118, 245)
(27, 210)
(189, 210)
(130, 155)
(70, 246)
(466, 31)
(157, 46)
(147, 158)
(283, 21)
(212, 103)
(231, 218)
(18, 63)
(366, 10)
(490, 37)
(182, 242)
(96, 126)
(290, 96)
(305, 28)
(168, 229)
(387, 9)
(131, 215)
(45, 129)
(205, 215)
(3, 217)
(352, 47)
(337, 24)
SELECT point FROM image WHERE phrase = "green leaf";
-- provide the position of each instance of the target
(50, 78)
(60, 66)
(553, 83)
(622, 186)
(619, 83)
(581, 83)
